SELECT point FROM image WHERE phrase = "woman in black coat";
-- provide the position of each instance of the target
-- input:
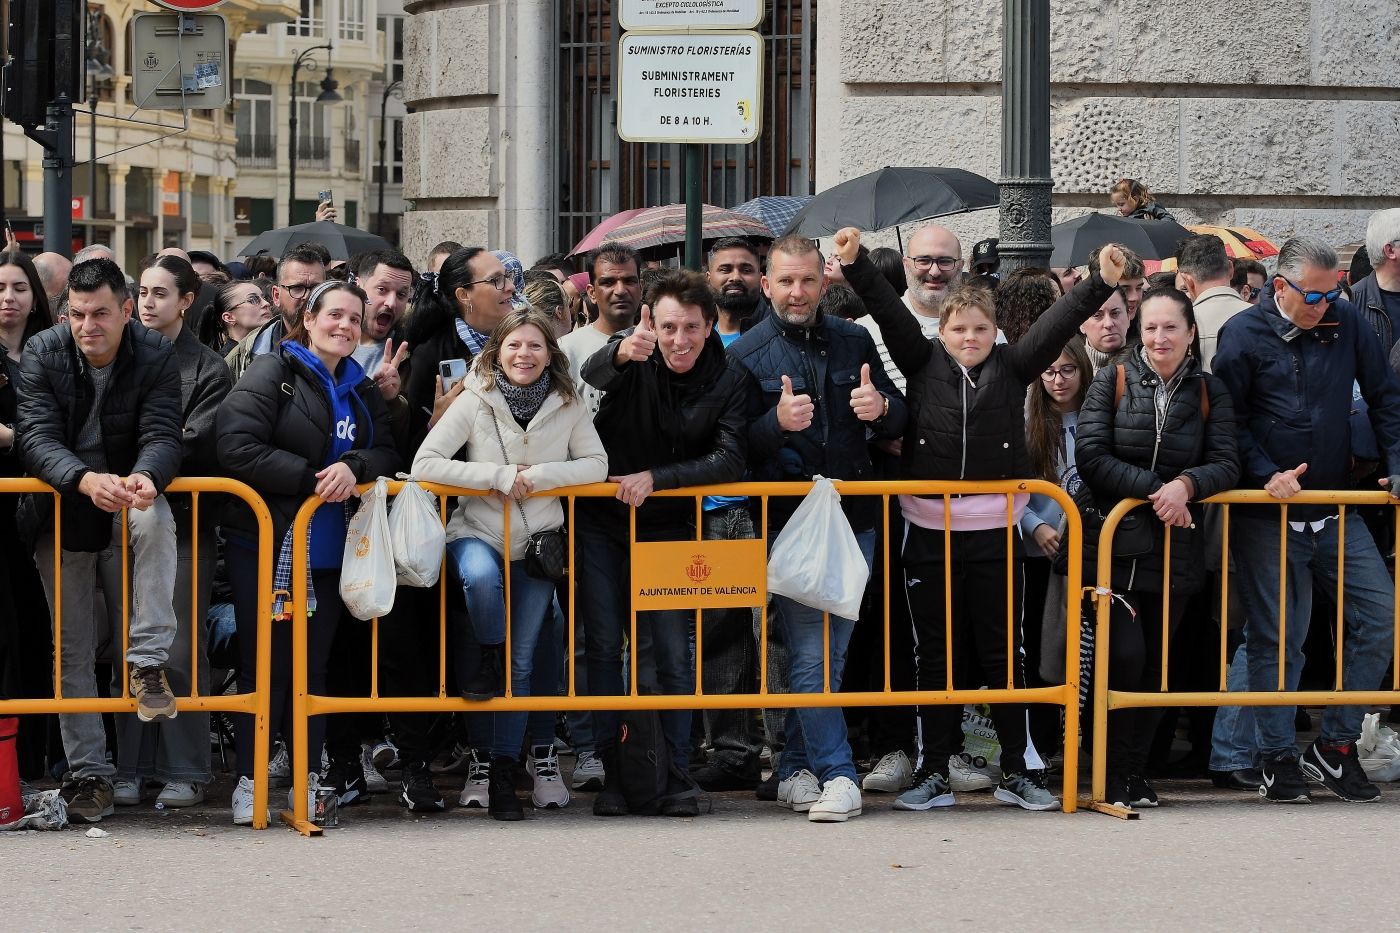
(1154, 427)
(304, 420)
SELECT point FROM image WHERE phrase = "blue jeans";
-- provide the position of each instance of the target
(1234, 742)
(1368, 601)
(481, 569)
(602, 561)
(816, 736)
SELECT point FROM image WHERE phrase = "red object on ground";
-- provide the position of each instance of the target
(11, 807)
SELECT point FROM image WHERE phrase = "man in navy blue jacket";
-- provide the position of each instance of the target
(1290, 363)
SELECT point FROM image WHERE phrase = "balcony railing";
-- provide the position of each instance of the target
(352, 156)
(314, 152)
(257, 150)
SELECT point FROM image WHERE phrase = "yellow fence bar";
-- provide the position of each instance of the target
(1105, 700)
(255, 704)
(1065, 695)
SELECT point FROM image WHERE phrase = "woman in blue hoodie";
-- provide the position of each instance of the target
(303, 420)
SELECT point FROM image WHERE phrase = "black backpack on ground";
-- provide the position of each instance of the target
(644, 764)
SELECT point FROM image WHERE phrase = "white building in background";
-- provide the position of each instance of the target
(157, 185)
(333, 146)
(386, 98)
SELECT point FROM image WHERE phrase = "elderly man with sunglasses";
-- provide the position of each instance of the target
(1290, 363)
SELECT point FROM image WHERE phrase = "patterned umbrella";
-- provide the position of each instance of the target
(599, 234)
(1240, 242)
(658, 226)
(775, 212)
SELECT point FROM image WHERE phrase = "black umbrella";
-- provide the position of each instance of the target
(895, 196)
(342, 241)
(1075, 241)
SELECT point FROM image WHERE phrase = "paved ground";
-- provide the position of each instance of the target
(1204, 860)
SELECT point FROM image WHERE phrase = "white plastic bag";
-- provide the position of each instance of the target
(816, 559)
(367, 579)
(419, 539)
(1379, 750)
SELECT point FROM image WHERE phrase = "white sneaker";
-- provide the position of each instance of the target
(800, 791)
(385, 755)
(374, 781)
(543, 767)
(891, 775)
(243, 802)
(279, 769)
(126, 793)
(474, 792)
(588, 772)
(840, 800)
(964, 776)
(182, 794)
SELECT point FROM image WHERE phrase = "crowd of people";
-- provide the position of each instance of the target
(306, 377)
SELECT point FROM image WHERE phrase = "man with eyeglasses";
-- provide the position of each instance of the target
(1377, 296)
(1248, 279)
(932, 266)
(1290, 363)
(1203, 273)
(300, 270)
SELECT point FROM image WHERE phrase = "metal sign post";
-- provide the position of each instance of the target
(696, 87)
(180, 61)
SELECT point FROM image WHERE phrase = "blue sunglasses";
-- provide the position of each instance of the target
(1312, 298)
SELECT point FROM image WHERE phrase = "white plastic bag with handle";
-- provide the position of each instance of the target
(419, 539)
(816, 559)
(367, 578)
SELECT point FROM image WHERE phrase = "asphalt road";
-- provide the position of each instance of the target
(1204, 860)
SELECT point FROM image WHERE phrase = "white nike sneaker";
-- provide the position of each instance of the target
(839, 802)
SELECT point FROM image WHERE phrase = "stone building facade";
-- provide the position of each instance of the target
(1278, 116)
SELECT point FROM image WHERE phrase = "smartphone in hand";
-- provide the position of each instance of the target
(451, 372)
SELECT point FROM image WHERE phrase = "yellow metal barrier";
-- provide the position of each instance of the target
(1105, 699)
(1066, 695)
(254, 704)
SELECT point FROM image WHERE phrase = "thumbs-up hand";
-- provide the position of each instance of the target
(866, 400)
(847, 245)
(794, 411)
(640, 344)
(1284, 484)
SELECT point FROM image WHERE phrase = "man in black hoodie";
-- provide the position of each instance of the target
(673, 414)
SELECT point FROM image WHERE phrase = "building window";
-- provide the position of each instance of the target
(312, 21)
(392, 27)
(352, 20)
(254, 124)
(14, 185)
(201, 210)
(393, 151)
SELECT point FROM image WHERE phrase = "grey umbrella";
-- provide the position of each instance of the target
(1075, 241)
(342, 241)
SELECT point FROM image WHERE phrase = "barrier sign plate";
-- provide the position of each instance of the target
(699, 574)
(180, 61)
(701, 87)
(673, 15)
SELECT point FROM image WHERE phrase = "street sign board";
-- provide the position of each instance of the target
(180, 61)
(700, 87)
(684, 15)
(188, 6)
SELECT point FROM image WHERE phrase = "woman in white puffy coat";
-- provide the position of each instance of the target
(519, 428)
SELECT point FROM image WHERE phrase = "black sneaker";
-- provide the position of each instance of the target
(1140, 793)
(489, 679)
(767, 789)
(419, 795)
(715, 778)
(502, 803)
(348, 779)
(1283, 782)
(1115, 791)
(1339, 771)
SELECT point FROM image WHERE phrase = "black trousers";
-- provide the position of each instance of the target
(977, 576)
(1135, 664)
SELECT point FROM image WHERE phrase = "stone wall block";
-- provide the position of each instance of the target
(1368, 138)
(417, 56)
(422, 230)
(1208, 42)
(956, 132)
(464, 63)
(456, 159)
(1240, 147)
(1356, 43)
(1096, 141)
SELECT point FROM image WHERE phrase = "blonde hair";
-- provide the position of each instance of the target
(968, 298)
(488, 362)
(1134, 191)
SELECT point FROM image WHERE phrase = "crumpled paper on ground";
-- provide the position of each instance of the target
(43, 809)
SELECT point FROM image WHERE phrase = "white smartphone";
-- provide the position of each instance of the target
(451, 372)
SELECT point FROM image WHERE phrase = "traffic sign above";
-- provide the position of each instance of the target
(684, 15)
(188, 6)
(179, 61)
(704, 87)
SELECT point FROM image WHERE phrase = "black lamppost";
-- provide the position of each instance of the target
(389, 91)
(328, 95)
(1025, 135)
(99, 72)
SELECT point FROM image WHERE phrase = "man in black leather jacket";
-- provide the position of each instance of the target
(673, 414)
(100, 420)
